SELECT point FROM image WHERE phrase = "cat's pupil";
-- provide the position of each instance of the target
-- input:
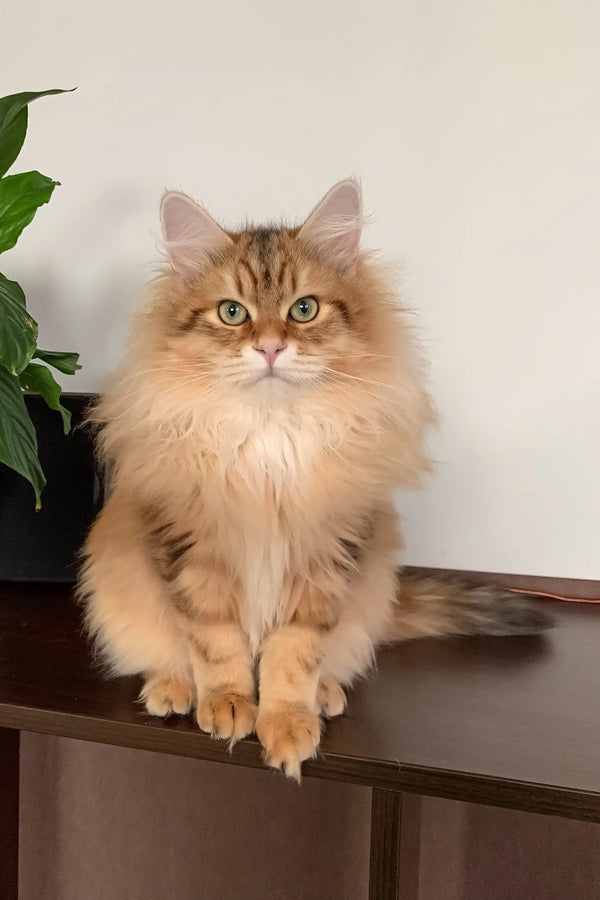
(303, 307)
(232, 310)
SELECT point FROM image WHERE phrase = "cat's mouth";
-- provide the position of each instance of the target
(272, 376)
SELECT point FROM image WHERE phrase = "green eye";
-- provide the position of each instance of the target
(304, 310)
(232, 313)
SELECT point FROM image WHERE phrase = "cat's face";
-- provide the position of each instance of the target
(270, 315)
(269, 311)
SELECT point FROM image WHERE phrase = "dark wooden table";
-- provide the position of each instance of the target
(506, 722)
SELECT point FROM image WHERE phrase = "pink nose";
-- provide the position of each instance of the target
(270, 347)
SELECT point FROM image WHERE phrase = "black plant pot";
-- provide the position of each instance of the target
(44, 546)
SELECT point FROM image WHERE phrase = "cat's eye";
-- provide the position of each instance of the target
(304, 310)
(232, 313)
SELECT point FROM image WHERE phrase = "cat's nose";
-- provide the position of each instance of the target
(270, 348)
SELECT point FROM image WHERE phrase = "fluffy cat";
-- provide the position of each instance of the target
(269, 403)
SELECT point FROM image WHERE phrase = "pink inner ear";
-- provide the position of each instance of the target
(335, 225)
(190, 235)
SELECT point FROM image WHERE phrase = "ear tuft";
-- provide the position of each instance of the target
(191, 237)
(334, 227)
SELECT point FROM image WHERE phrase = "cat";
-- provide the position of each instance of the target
(269, 404)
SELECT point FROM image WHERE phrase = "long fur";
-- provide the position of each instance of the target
(252, 517)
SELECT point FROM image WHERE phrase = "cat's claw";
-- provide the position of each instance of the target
(229, 716)
(289, 733)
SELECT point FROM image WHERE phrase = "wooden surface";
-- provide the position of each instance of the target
(9, 814)
(508, 722)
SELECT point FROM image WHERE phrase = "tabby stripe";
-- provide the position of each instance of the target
(282, 271)
(239, 283)
(343, 310)
(158, 532)
(206, 652)
(191, 321)
(250, 271)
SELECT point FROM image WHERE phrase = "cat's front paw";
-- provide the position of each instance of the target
(166, 694)
(331, 698)
(227, 715)
(289, 733)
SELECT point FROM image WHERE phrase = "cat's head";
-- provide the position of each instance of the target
(270, 311)
(288, 334)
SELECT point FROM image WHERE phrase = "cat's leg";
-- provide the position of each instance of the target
(288, 724)
(224, 677)
(349, 648)
(128, 611)
(342, 613)
(222, 663)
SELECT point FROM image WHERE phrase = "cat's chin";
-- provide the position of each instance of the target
(271, 386)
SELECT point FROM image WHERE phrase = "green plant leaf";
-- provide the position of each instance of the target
(11, 139)
(39, 380)
(18, 442)
(18, 331)
(20, 198)
(65, 362)
(13, 124)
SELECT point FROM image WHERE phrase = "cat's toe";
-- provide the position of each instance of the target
(163, 695)
(289, 733)
(331, 698)
(229, 716)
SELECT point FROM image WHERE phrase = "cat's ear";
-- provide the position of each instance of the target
(191, 236)
(334, 227)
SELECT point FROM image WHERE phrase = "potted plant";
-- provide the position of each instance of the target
(36, 538)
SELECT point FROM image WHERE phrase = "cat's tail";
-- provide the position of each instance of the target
(428, 608)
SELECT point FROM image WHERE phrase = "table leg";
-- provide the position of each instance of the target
(384, 868)
(410, 847)
(9, 813)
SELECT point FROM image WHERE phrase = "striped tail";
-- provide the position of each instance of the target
(429, 608)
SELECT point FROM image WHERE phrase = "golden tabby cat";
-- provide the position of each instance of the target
(270, 402)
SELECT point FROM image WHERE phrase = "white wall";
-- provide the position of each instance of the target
(475, 126)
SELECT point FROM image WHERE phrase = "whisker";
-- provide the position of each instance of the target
(357, 378)
(362, 356)
(179, 385)
(351, 398)
(177, 370)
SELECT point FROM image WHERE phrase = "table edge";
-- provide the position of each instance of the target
(573, 803)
